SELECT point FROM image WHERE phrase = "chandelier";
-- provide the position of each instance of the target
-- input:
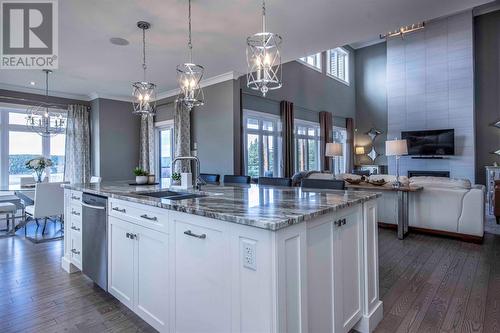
(189, 76)
(41, 118)
(264, 59)
(144, 94)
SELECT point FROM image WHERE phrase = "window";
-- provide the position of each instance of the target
(21, 144)
(313, 61)
(338, 64)
(165, 148)
(340, 136)
(307, 141)
(262, 144)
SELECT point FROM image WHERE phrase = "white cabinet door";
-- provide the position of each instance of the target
(347, 253)
(76, 250)
(121, 260)
(152, 277)
(202, 284)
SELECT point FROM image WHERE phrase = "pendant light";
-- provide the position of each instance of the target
(144, 93)
(264, 59)
(42, 119)
(189, 76)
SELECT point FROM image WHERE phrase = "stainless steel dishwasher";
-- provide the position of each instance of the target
(95, 239)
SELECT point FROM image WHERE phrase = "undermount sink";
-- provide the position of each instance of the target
(172, 195)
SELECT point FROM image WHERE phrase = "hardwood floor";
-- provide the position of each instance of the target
(427, 283)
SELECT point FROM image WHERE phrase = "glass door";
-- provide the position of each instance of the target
(166, 150)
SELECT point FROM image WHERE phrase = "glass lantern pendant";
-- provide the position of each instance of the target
(189, 76)
(264, 59)
(144, 94)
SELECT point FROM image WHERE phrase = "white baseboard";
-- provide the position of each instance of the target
(68, 266)
(368, 323)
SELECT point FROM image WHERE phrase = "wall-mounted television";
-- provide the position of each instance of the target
(430, 143)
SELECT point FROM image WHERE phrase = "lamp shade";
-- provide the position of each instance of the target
(396, 148)
(333, 149)
(360, 150)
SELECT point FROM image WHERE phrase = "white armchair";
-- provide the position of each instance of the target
(49, 202)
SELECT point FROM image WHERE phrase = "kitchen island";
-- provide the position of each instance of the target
(237, 258)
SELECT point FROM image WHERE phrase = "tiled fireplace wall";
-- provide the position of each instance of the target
(430, 85)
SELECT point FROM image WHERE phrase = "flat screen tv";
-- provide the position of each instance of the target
(430, 143)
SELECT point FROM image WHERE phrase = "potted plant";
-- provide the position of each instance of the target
(176, 178)
(38, 165)
(141, 176)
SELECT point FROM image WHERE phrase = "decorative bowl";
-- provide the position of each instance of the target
(353, 181)
(379, 182)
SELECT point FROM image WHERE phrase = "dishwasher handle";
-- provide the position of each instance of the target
(93, 207)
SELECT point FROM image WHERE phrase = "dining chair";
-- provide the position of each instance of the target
(270, 181)
(95, 180)
(210, 178)
(327, 184)
(49, 202)
(234, 179)
(25, 181)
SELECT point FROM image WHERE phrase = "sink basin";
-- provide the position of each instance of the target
(172, 195)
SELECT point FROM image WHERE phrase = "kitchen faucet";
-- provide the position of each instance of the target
(197, 179)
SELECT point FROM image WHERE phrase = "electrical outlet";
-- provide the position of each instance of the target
(249, 254)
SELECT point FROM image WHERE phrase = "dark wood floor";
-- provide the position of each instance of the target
(428, 284)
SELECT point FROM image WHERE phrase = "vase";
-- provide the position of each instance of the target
(39, 176)
(140, 180)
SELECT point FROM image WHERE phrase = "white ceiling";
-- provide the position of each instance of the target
(90, 64)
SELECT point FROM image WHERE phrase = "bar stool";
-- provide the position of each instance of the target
(8, 208)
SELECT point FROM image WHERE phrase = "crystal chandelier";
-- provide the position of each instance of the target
(189, 76)
(264, 59)
(143, 91)
(41, 119)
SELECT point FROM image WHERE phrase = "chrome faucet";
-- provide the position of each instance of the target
(197, 179)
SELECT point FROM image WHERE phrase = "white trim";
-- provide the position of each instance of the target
(319, 70)
(95, 95)
(305, 122)
(360, 45)
(336, 78)
(204, 83)
(346, 64)
(164, 123)
(252, 113)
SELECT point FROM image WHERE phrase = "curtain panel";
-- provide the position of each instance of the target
(325, 130)
(77, 150)
(286, 109)
(182, 134)
(349, 124)
(147, 149)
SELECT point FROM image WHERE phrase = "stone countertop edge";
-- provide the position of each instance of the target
(268, 223)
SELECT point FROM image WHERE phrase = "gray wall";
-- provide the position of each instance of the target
(487, 88)
(309, 90)
(115, 135)
(430, 85)
(215, 127)
(31, 98)
(371, 100)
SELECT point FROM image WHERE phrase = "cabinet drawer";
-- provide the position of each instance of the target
(147, 216)
(75, 225)
(75, 211)
(76, 196)
(76, 250)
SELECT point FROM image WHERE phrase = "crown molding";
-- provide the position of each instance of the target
(36, 91)
(204, 83)
(95, 95)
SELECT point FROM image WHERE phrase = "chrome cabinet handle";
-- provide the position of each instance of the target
(75, 198)
(75, 228)
(119, 209)
(189, 233)
(151, 218)
(338, 223)
(75, 251)
(344, 221)
(75, 213)
(131, 236)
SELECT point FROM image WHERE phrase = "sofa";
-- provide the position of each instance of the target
(448, 206)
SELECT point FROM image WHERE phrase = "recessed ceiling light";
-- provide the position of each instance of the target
(119, 41)
(32, 83)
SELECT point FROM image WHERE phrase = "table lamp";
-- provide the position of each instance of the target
(360, 150)
(396, 148)
(333, 150)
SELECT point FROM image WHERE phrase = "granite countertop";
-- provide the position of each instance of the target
(271, 208)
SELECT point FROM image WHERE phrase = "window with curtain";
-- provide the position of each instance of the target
(307, 141)
(164, 148)
(340, 136)
(21, 144)
(313, 61)
(262, 144)
(338, 64)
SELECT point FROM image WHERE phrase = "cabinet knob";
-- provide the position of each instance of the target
(189, 233)
(338, 223)
(344, 221)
